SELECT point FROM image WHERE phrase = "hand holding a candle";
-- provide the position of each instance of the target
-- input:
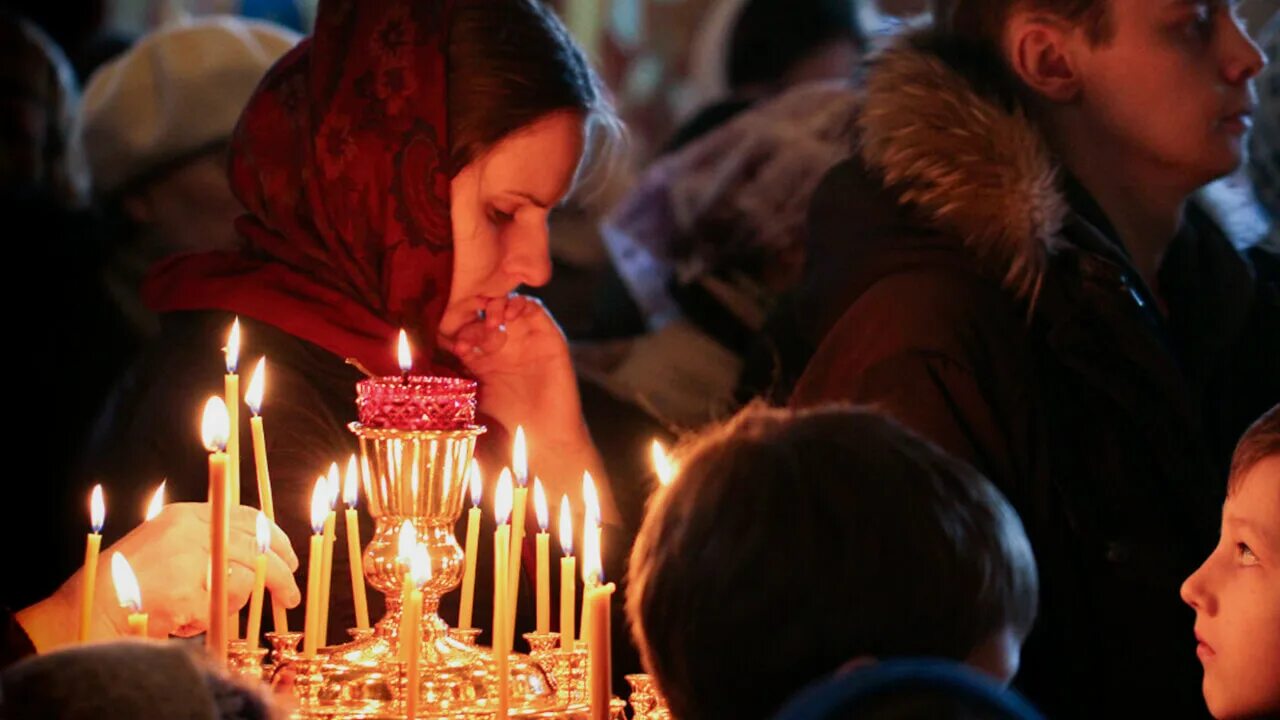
(170, 557)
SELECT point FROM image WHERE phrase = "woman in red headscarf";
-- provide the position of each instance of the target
(398, 169)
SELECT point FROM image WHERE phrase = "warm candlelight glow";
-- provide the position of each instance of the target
(592, 567)
(262, 533)
(157, 503)
(404, 353)
(502, 498)
(214, 426)
(257, 387)
(351, 488)
(419, 566)
(662, 465)
(520, 458)
(540, 505)
(319, 505)
(477, 484)
(126, 583)
(590, 499)
(408, 541)
(335, 485)
(97, 509)
(566, 526)
(233, 347)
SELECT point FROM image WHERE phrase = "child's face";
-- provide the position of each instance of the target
(1236, 596)
(1170, 86)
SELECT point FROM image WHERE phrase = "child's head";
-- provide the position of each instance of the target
(792, 542)
(1156, 83)
(1236, 592)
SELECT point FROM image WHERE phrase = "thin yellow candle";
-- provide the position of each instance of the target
(231, 386)
(156, 504)
(520, 502)
(501, 555)
(543, 554)
(319, 510)
(469, 556)
(590, 545)
(410, 621)
(263, 536)
(663, 468)
(330, 533)
(599, 650)
(253, 397)
(568, 576)
(351, 494)
(214, 432)
(407, 546)
(128, 594)
(92, 546)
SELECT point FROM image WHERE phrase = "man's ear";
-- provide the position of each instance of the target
(1044, 53)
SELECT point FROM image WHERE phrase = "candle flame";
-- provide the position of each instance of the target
(157, 503)
(477, 485)
(97, 509)
(592, 568)
(214, 426)
(590, 498)
(262, 533)
(502, 498)
(662, 465)
(520, 458)
(335, 485)
(404, 353)
(566, 526)
(127, 591)
(408, 541)
(257, 387)
(420, 566)
(233, 347)
(319, 505)
(351, 489)
(540, 505)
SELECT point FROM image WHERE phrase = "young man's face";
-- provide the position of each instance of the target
(1236, 596)
(1172, 85)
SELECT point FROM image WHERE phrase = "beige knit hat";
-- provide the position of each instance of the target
(179, 89)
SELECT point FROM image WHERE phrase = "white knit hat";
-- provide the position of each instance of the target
(177, 90)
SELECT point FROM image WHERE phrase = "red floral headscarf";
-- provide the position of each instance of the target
(342, 160)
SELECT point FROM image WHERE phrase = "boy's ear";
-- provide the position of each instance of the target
(1042, 52)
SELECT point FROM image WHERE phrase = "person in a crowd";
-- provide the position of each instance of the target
(155, 124)
(791, 544)
(169, 555)
(1013, 264)
(1264, 142)
(1236, 592)
(397, 169)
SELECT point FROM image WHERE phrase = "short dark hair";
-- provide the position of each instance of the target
(771, 36)
(982, 21)
(1259, 442)
(512, 63)
(792, 541)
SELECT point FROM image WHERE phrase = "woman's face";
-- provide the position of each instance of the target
(500, 203)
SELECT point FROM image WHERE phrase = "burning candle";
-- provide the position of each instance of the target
(501, 551)
(590, 545)
(543, 554)
(231, 387)
(410, 634)
(262, 533)
(408, 543)
(473, 538)
(568, 576)
(330, 532)
(520, 501)
(253, 396)
(351, 494)
(404, 355)
(214, 432)
(663, 468)
(128, 594)
(319, 509)
(156, 505)
(92, 545)
(599, 645)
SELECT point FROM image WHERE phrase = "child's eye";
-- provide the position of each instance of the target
(1245, 554)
